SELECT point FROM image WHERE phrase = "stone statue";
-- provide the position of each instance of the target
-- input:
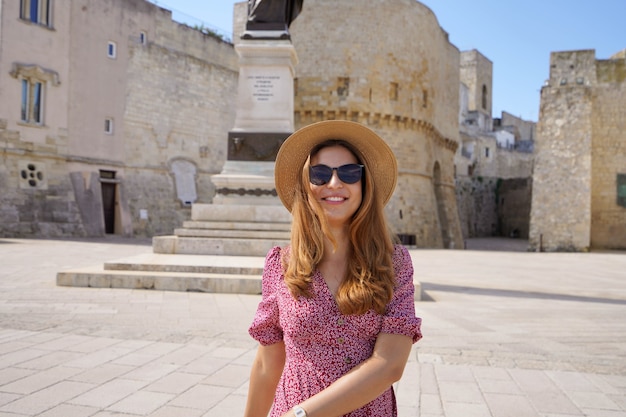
(270, 19)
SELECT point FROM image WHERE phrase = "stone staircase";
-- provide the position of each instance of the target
(221, 249)
(233, 230)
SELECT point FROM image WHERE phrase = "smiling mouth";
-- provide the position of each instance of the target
(337, 199)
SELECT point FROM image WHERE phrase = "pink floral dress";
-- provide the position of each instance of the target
(322, 344)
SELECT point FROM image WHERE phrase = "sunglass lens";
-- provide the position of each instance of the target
(320, 174)
(350, 173)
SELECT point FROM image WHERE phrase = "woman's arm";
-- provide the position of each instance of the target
(266, 370)
(365, 382)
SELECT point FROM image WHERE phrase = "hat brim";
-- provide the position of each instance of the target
(377, 156)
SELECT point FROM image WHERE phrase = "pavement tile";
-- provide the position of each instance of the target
(593, 400)
(230, 406)
(459, 409)
(19, 356)
(175, 382)
(460, 392)
(151, 371)
(141, 403)
(92, 344)
(66, 410)
(7, 398)
(40, 380)
(108, 393)
(50, 360)
(553, 401)
(40, 401)
(502, 404)
(169, 411)
(201, 396)
(8, 375)
(102, 373)
(231, 376)
(430, 404)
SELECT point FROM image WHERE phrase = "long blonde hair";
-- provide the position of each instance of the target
(370, 277)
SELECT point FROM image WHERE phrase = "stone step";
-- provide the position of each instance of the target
(236, 225)
(248, 213)
(97, 277)
(232, 234)
(198, 264)
(214, 246)
(201, 273)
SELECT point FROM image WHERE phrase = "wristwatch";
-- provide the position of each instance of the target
(299, 411)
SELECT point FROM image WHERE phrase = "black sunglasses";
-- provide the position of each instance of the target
(349, 174)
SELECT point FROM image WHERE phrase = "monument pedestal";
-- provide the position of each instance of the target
(264, 119)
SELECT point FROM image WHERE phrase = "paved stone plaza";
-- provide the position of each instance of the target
(506, 333)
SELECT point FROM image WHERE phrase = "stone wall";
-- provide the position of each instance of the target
(608, 218)
(477, 203)
(178, 106)
(490, 206)
(581, 151)
(35, 188)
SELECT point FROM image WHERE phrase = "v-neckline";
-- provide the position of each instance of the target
(328, 291)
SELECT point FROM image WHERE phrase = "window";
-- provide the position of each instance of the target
(36, 11)
(393, 91)
(424, 98)
(34, 80)
(108, 126)
(111, 50)
(143, 38)
(487, 152)
(484, 103)
(32, 102)
(621, 190)
(343, 86)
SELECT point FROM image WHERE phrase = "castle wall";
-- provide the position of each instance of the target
(581, 155)
(608, 217)
(561, 201)
(409, 94)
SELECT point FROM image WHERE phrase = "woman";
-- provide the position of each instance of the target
(337, 319)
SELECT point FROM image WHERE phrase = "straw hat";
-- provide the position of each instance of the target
(377, 156)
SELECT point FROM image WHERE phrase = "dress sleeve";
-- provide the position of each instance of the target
(265, 327)
(400, 316)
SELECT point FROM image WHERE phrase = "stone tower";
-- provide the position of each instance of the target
(388, 64)
(579, 179)
(477, 75)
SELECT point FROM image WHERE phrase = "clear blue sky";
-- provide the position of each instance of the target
(517, 36)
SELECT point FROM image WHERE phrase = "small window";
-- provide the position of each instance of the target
(36, 11)
(487, 152)
(32, 102)
(393, 91)
(343, 86)
(424, 98)
(143, 38)
(112, 50)
(484, 100)
(621, 190)
(108, 126)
